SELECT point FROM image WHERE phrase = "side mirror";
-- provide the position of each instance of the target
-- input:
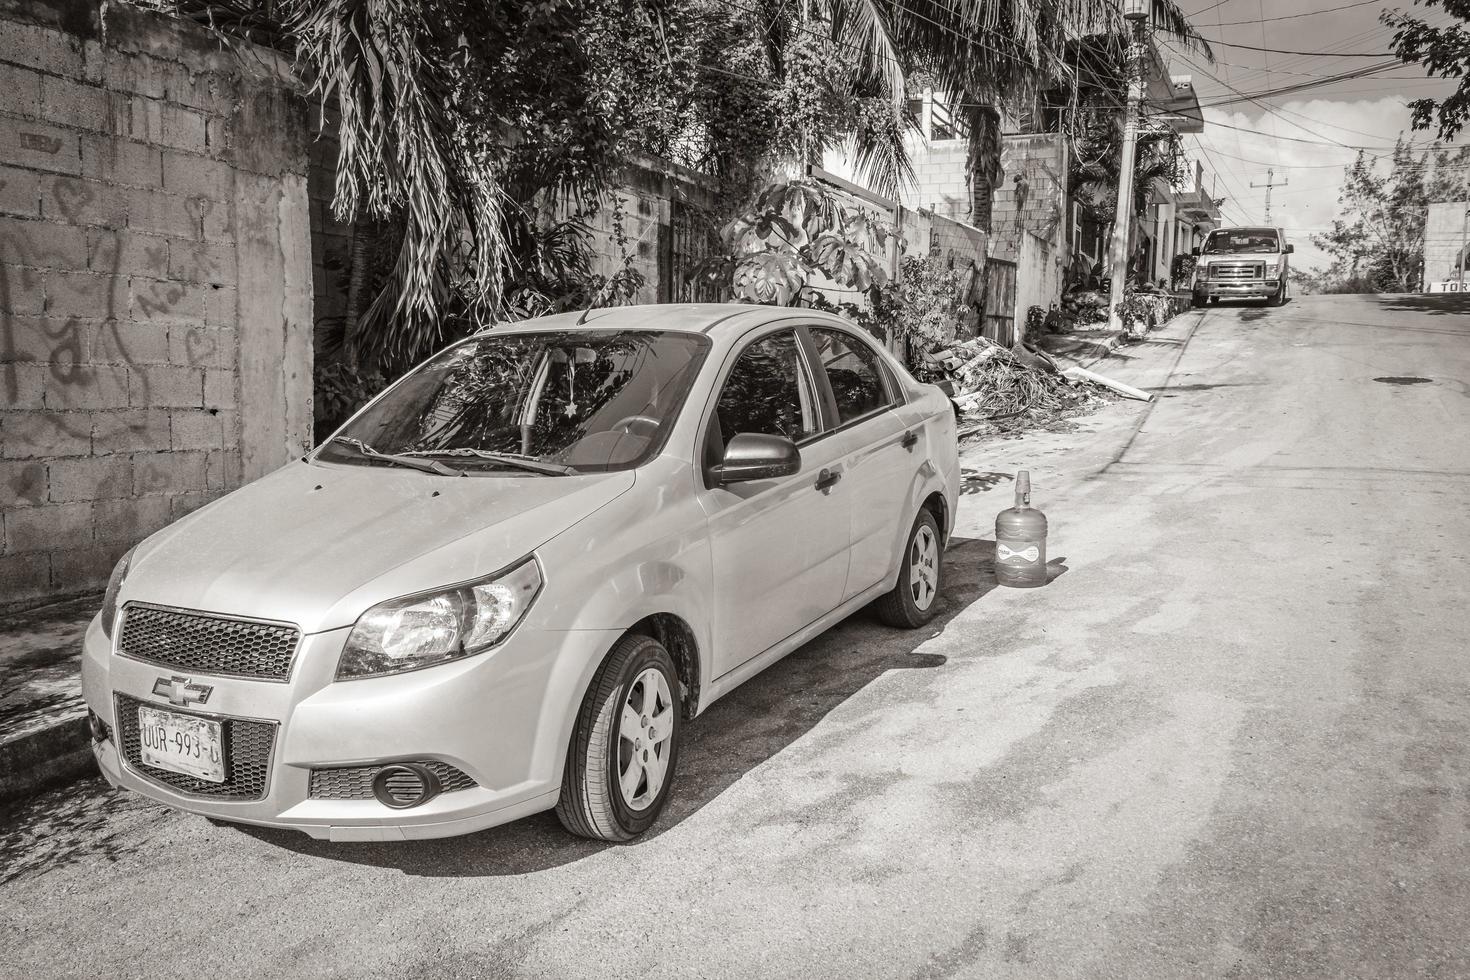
(1288, 249)
(757, 456)
(1194, 251)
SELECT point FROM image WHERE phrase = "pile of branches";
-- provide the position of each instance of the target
(1003, 390)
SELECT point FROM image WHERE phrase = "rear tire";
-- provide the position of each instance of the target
(1214, 301)
(914, 600)
(625, 744)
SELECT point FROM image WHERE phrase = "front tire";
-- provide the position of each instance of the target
(915, 599)
(624, 748)
(1277, 298)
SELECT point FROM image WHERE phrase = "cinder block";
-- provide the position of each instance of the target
(40, 47)
(221, 307)
(167, 301)
(129, 521)
(186, 503)
(41, 434)
(121, 161)
(167, 386)
(43, 244)
(219, 388)
(127, 342)
(50, 527)
(197, 176)
(41, 146)
(96, 386)
(92, 478)
(86, 568)
(25, 290)
(129, 431)
(25, 577)
(87, 295)
(137, 74)
(82, 202)
(202, 347)
(211, 262)
(128, 253)
(195, 430)
(80, 106)
(21, 90)
(168, 473)
(159, 213)
(20, 192)
(222, 471)
(216, 220)
(25, 385)
(182, 129)
(23, 482)
(38, 339)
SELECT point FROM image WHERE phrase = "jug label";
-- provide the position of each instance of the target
(1003, 553)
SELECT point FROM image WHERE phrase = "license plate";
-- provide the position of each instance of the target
(181, 743)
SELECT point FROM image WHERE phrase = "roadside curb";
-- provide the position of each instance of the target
(55, 753)
(44, 736)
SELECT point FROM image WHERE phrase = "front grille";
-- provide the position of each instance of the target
(207, 644)
(247, 747)
(356, 783)
(1235, 271)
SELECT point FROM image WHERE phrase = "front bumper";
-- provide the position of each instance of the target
(501, 717)
(1238, 289)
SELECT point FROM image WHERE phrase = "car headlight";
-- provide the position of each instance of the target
(114, 585)
(436, 627)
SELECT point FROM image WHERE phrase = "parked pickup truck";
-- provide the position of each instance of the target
(1242, 263)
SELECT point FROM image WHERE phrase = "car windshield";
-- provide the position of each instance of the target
(548, 403)
(1240, 240)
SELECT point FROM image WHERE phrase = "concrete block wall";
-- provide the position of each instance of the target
(1032, 195)
(1443, 231)
(940, 183)
(155, 283)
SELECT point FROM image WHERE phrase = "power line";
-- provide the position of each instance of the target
(1310, 13)
(1308, 54)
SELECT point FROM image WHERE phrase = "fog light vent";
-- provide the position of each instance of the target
(98, 727)
(406, 785)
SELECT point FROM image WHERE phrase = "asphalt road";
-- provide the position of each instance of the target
(1229, 740)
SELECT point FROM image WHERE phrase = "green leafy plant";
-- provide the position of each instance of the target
(793, 232)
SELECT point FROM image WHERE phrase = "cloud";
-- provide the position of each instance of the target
(1241, 155)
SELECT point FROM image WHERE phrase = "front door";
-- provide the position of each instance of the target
(779, 547)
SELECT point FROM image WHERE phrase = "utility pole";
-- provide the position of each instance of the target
(1270, 174)
(1136, 12)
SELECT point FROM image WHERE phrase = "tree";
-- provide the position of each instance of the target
(1377, 242)
(471, 128)
(1443, 51)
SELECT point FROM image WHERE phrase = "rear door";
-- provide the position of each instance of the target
(779, 548)
(879, 451)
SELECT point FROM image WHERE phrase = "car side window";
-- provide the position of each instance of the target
(855, 372)
(768, 392)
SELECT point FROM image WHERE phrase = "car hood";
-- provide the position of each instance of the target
(317, 544)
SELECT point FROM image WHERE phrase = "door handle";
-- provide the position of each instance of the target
(910, 440)
(826, 479)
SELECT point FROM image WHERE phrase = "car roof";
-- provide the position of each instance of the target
(713, 319)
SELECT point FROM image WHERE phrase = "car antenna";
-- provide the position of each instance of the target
(583, 318)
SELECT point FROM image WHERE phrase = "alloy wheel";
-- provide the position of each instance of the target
(644, 739)
(924, 567)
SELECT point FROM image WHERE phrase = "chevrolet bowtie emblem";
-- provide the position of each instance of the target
(180, 690)
(1027, 554)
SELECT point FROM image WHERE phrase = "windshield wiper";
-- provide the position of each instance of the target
(400, 459)
(509, 459)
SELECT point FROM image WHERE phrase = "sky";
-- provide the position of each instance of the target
(1241, 141)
